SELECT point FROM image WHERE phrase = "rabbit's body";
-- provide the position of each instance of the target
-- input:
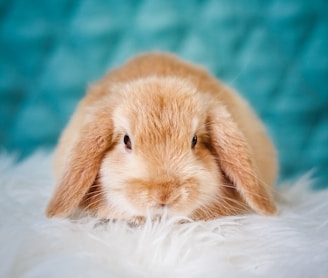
(161, 134)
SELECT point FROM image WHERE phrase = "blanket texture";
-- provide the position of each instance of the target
(292, 244)
(275, 52)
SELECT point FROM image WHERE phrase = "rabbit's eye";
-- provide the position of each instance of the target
(127, 142)
(194, 141)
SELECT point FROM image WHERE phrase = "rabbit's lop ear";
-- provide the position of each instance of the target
(82, 168)
(235, 160)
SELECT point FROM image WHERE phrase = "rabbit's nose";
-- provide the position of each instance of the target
(162, 205)
(161, 200)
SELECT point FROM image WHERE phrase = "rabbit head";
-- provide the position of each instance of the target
(155, 145)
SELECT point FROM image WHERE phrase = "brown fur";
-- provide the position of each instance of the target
(161, 102)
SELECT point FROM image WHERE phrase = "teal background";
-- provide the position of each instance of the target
(275, 52)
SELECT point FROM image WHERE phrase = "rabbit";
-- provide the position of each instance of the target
(161, 135)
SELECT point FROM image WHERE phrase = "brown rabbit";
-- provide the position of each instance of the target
(160, 134)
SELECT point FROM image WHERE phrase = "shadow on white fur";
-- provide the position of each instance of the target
(294, 243)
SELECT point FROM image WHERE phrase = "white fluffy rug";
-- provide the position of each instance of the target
(292, 244)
